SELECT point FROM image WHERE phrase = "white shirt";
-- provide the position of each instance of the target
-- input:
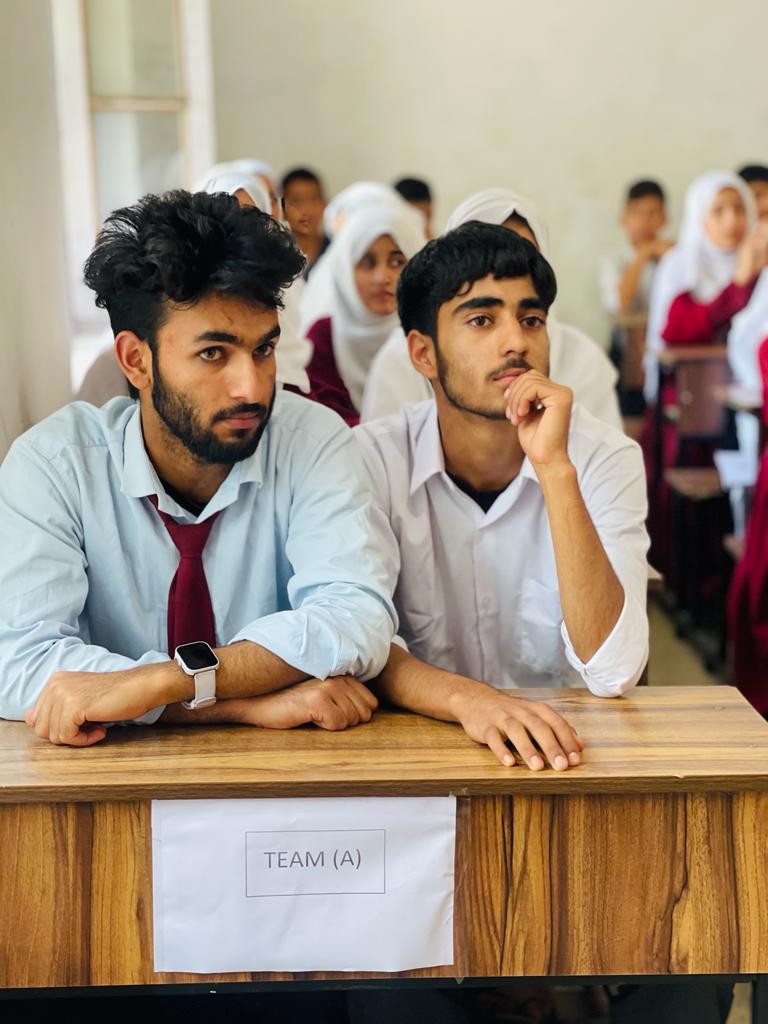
(477, 592)
(612, 269)
(576, 361)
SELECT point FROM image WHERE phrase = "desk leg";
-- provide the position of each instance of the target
(760, 1000)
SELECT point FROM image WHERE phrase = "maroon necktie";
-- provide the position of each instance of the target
(190, 613)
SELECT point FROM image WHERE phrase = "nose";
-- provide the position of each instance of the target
(249, 382)
(512, 338)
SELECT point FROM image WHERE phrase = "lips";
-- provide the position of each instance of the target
(511, 374)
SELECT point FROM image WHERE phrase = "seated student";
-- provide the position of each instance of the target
(519, 516)
(303, 206)
(365, 262)
(418, 194)
(575, 359)
(317, 298)
(756, 176)
(281, 568)
(710, 273)
(626, 276)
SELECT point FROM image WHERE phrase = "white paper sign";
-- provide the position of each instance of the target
(346, 884)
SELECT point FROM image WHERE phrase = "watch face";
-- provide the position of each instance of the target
(197, 657)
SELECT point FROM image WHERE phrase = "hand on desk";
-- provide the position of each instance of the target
(332, 704)
(495, 718)
(73, 705)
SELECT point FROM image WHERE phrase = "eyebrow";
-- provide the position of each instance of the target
(491, 301)
(232, 339)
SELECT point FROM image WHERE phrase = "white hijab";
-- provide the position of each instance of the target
(494, 206)
(694, 264)
(231, 182)
(357, 333)
(353, 198)
(317, 297)
(748, 329)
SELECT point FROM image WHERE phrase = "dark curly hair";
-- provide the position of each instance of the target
(459, 258)
(177, 248)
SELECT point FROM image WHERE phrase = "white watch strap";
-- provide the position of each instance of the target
(205, 690)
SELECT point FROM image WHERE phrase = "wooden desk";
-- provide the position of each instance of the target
(649, 859)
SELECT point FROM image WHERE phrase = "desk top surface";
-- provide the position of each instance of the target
(658, 739)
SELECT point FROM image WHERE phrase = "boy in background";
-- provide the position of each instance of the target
(303, 206)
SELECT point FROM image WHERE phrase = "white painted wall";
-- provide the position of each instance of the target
(34, 321)
(565, 100)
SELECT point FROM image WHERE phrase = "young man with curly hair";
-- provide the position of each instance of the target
(209, 544)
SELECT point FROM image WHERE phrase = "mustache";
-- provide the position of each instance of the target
(255, 409)
(511, 364)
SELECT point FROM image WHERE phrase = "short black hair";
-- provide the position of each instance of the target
(414, 190)
(645, 188)
(300, 174)
(459, 258)
(754, 172)
(178, 247)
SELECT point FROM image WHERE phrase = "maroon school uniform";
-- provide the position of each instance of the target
(325, 380)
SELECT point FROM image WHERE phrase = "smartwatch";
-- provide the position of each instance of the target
(199, 661)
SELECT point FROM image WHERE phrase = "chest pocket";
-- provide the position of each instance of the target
(542, 646)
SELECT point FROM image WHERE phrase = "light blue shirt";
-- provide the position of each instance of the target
(295, 561)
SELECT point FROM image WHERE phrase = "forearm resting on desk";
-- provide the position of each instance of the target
(493, 717)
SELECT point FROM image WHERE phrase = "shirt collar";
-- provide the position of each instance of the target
(427, 447)
(139, 478)
(428, 457)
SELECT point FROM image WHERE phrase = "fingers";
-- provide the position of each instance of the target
(343, 702)
(363, 699)
(497, 744)
(523, 744)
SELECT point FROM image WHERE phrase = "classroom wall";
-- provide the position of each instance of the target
(563, 101)
(34, 329)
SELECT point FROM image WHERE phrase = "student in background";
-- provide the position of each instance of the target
(303, 207)
(259, 169)
(365, 262)
(626, 276)
(318, 294)
(756, 176)
(748, 593)
(418, 194)
(576, 360)
(709, 275)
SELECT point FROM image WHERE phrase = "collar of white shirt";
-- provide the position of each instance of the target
(139, 478)
(429, 459)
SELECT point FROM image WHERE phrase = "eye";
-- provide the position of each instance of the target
(480, 320)
(211, 355)
(264, 351)
(397, 262)
(366, 263)
(533, 322)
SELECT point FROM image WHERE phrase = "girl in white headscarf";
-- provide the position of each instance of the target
(365, 262)
(259, 169)
(575, 359)
(709, 275)
(316, 298)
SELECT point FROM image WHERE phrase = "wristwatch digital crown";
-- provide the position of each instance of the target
(198, 660)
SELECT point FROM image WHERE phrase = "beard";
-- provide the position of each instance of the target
(179, 414)
(453, 392)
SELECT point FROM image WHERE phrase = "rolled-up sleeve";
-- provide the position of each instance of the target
(44, 583)
(614, 491)
(342, 617)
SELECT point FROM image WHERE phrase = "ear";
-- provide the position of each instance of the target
(421, 349)
(134, 357)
